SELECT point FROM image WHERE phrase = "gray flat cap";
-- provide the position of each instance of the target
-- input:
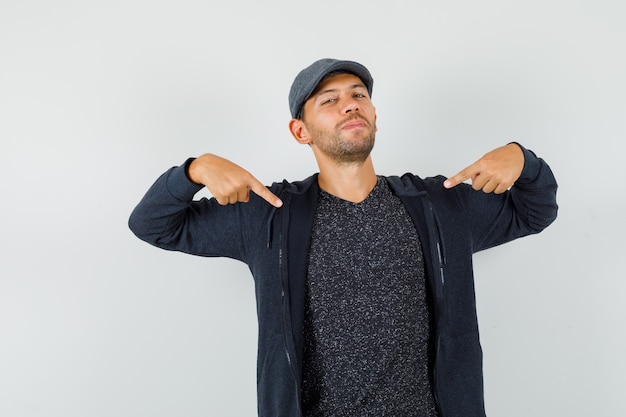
(308, 79)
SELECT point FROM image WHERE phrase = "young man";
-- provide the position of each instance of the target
(364, 283)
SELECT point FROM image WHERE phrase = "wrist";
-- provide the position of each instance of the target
(191, 170)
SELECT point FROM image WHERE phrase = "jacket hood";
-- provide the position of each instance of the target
(401, 186)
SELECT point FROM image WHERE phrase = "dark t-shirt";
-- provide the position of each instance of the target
(367, 318)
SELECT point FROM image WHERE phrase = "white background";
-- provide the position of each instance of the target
(97, 98)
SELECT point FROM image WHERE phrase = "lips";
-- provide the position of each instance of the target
(354, 123)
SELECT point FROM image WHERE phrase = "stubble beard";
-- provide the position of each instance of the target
(343, 150)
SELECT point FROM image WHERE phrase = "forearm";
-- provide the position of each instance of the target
(534, 193)
(527, 208)
(163, 209)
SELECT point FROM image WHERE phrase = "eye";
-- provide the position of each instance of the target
(328, 101)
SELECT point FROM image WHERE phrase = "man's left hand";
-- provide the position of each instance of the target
(495, 172)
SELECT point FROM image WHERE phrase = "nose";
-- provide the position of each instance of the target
(351, 105)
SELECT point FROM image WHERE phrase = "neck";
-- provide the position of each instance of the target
(351, 182)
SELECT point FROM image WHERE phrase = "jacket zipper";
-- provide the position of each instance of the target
(284, 298)
(433, 226)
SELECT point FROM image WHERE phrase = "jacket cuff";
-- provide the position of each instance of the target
(179, 185)
(532, 165)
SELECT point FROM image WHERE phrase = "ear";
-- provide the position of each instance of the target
(299, 131)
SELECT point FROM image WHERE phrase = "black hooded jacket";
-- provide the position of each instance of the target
(452, 225)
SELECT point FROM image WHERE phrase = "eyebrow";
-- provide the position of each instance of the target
(332, 90)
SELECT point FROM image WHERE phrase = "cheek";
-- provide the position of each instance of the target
(324, 122)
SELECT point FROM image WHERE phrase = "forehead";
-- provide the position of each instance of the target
(336, 81)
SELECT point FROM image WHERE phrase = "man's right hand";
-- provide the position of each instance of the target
(228, 182)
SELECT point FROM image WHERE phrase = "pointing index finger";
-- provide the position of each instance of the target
(263, 192)
(463, 175)
(456, 179)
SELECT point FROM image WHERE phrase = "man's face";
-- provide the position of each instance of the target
(341, 119)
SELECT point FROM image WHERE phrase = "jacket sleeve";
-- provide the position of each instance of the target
(169, 218)
(527, 208)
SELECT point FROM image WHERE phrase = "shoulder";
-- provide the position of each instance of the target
(411, 185)
(295, 187)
